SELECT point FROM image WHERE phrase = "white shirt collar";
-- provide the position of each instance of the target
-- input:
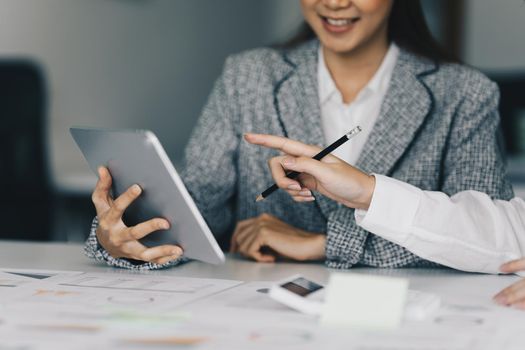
(381, 77)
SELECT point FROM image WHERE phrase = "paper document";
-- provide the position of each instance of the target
(129, 291)
(42, 310)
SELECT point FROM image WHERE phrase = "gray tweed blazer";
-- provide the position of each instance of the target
(437, 130)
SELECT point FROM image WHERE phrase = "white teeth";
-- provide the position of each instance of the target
(338, 22)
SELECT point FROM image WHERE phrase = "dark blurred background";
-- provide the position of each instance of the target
(151, 64)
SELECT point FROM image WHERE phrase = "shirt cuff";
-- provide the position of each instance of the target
(392, 210)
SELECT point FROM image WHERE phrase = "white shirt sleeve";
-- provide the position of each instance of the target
(467, 231)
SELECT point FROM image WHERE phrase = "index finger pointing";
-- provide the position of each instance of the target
(292, 147)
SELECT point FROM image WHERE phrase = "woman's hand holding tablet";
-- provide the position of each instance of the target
(120, 240)
(161, 220)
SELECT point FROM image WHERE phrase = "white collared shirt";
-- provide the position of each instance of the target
(338, 118)
(467, 231)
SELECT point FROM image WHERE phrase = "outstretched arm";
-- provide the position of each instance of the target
(455, 231)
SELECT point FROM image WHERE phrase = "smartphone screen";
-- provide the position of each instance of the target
(301, 286)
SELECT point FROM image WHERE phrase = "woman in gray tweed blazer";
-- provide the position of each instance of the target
(436, 129)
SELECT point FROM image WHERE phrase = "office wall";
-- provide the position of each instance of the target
(132, 63)
(151, 63)
(495, 34)
(495, 42)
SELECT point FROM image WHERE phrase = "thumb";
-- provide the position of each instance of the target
(317, 169)
(513, 266)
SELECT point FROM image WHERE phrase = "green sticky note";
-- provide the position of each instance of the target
(364, 302)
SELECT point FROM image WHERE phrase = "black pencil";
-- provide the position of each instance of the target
(318, 156)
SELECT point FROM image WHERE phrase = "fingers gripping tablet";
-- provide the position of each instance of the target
(137, 157)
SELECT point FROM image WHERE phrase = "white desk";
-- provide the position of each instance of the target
(451, 285)
(59, 256)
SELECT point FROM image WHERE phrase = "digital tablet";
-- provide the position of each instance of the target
(137, 157)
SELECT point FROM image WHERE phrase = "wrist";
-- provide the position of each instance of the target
(368, 193)
(363, 193)
(319, 244)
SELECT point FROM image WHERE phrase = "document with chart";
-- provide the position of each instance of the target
(80, 290)
(120, 309)
(43, 309)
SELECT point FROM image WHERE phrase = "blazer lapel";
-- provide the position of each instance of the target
(404, 109)
(297, 104)
(296, 97)
(406, 104)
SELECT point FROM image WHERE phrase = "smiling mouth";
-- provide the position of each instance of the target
(339, 22)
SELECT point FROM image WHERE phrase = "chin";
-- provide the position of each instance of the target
(339, 47)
